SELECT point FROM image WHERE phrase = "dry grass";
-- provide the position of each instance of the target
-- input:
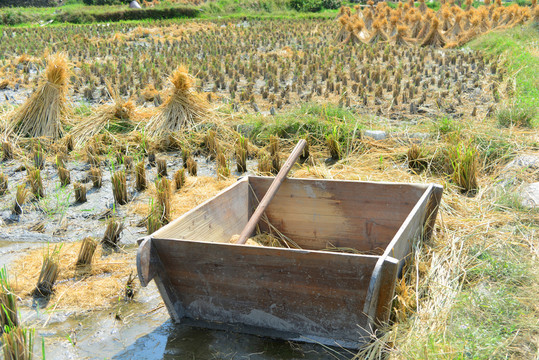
(45, 112)
(195, 191)
(98, 287)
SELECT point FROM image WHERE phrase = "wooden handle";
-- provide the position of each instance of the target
(275, 185)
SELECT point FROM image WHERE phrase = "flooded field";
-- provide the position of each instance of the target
(109, 131)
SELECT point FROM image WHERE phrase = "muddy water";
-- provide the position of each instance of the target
(140, 329)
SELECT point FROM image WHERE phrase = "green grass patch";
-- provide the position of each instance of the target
(77, 13)
(316, 120)
(495, 316)
(518, 47)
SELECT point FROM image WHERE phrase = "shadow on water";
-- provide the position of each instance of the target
(170, 341)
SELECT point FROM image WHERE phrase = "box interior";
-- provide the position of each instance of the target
(316, 214)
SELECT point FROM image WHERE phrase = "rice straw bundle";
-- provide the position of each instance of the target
(434, 37)
(354, 36)
(368, 18)
(121, 114)
(456, 29)
(49, 273)
(44, 113)
(343, 32)
(378, 33)
(183, 109)
(400, 36)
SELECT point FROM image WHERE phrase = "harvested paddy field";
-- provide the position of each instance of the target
(111, 131)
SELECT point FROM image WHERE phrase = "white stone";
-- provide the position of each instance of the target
(530, 195)
(523, 161)
(376, 134)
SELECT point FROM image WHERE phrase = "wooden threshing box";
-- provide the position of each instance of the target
(304, 295)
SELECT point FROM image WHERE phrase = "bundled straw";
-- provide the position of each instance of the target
(112, 234)
(434, 37)
(120, 114)
(183, 109)
(44, 113)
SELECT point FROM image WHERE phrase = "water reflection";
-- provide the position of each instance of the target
(170, 341)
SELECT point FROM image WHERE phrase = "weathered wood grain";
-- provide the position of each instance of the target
(215, 220)
(294, 294)
(399, 248)
(360, 215)
(304, 292)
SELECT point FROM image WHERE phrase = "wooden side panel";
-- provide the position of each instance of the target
(432, 209)
(215, 220)
(300, 292)
(316, 213)
(399, 249)
(388, 277)
(149, 266)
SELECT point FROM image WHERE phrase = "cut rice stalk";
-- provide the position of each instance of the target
(86, 252)
(49, 273)
(8, 302)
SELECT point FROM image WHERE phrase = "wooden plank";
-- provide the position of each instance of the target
(388, 278)
(432, 209)
(316, 232)
(400, 249)
(215, 220)
(305, 292)
(352, 214)
(146, 266)
(360, 191)
(149, 266)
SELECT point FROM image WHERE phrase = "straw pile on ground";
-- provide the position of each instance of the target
(183, 108)
(92, 287)
(195, 191)
(120, 114)
(46, 111)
